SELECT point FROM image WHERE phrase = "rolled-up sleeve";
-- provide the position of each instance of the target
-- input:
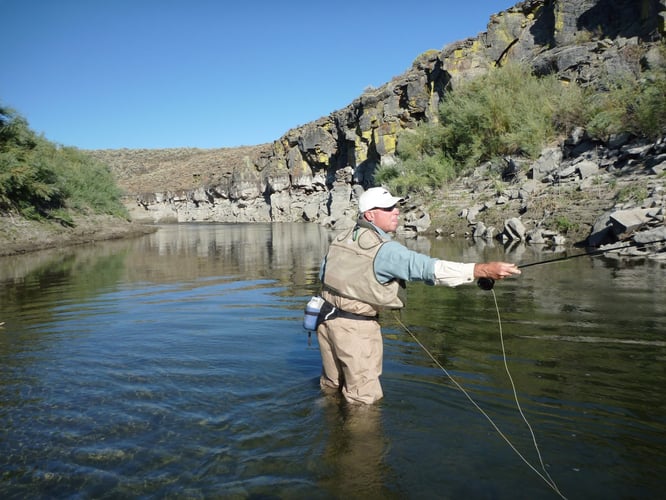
(453, 273)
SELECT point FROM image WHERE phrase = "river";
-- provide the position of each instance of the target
(175, 365)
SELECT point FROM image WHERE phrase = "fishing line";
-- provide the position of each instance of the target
(544, 476)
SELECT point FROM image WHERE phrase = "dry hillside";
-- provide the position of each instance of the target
(157, 170)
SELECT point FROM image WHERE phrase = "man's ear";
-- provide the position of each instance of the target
(369, 216)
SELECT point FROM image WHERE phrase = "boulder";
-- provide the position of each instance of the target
(625, 222)
(586, 168)
(547, 163)
(514, 229)
(656, 235)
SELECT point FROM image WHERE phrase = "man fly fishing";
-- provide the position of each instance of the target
(365, 272)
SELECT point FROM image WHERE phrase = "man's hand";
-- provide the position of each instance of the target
(495, 270)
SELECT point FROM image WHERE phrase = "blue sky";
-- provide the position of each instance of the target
(201, 73)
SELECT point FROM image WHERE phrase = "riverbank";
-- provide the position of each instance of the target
(19, 235)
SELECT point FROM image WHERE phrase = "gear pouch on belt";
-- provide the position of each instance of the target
(312, 312)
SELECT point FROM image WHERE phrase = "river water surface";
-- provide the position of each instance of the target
(175, 365)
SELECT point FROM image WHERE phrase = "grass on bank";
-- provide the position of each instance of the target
(512, 112)
(43, 181)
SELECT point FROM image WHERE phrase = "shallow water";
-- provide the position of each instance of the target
(175, 365)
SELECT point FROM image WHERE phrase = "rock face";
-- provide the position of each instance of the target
(315, 172)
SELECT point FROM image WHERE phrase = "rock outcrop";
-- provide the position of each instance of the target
(315, 172)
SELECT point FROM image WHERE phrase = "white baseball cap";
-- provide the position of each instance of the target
(376, 197)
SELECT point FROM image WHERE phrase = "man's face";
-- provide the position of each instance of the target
(385, 219)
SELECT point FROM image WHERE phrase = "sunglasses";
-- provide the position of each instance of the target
(386, 209)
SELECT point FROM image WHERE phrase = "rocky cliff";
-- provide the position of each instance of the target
(315, 172)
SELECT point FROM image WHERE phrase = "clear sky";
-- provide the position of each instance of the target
(115, 74)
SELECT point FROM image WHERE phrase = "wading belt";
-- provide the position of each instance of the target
(329, 311)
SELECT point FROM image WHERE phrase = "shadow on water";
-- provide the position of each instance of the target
(176, 365)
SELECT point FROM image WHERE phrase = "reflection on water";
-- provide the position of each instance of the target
(175, 365)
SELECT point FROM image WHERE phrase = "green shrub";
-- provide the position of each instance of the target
(570, 108)
(89, 182)
(27, 182)
(421, 166)
(509, 111)
(42, 180)
(630, 104)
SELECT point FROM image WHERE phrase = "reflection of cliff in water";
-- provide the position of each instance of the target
(273, 251)
(283, 252)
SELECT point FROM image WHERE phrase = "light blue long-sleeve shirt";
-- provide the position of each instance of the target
(394, 260)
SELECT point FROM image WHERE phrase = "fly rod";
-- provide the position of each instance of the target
(489, 283)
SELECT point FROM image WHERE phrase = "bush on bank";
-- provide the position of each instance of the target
(43, 181)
